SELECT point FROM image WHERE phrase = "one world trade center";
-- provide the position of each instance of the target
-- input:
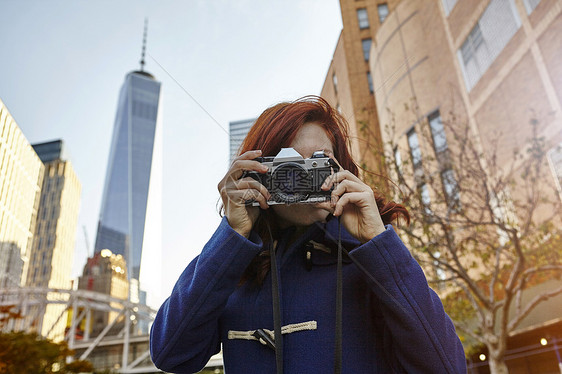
(132, 182)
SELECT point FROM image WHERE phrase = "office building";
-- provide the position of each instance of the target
(104, 272)
(238, 131)
(51, 259)
(21, 176)
(132, 183)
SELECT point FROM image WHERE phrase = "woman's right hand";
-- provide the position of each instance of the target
(235, 192)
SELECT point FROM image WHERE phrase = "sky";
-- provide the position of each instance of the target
(62, 64)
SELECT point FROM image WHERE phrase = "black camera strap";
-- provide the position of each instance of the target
(277, 337)
(339, 306)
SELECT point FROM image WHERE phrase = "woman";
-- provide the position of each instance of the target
(392, 322)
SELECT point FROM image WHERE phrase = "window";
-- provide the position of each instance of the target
(437, 132)
(439, 271)
(383, 11)
(425, 199)
(415, 151)
(555, 162)
(530, 5)
(370, 80)
(366, 44)
(503, 210)
(451, 189)
(363, 18)
(335, 81)
(498, 24)
(398, 160)
(449, 5)
(144, 110)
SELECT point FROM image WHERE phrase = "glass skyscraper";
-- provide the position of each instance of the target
(50, 262)
(238, 131)
(128, 185)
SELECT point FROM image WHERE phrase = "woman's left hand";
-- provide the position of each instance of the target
(355, 202)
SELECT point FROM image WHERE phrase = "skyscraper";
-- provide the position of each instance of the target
(50, 262)
(21, 175)
(130, 184)
(238, 131)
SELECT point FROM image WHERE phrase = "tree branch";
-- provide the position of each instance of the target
(538, 299)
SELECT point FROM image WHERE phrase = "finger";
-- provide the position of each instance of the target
(250, 183)
(347, 186)
(251, 195)
(356, 198)
(230, 190)
(326, 205)
(250, 155)
(239, 166)
(242, 197)
(338, 177)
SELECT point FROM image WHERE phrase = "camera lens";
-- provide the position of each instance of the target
(290, 183)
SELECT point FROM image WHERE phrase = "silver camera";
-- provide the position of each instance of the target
(292, 179)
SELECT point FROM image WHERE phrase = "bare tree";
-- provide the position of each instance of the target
(485, 232)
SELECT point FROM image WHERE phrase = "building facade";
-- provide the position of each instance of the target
(129, 184)
(349, 83)
(238, 131)
(21, 176)
(52, 253)
(494, 65)
(106, 273)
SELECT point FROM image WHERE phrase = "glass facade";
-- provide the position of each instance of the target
(21, 176)
(50, 262)
(238, 131)
(123, 211)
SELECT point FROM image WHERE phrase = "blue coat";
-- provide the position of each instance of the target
(392, 321)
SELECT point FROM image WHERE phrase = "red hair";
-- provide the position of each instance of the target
(276, 128)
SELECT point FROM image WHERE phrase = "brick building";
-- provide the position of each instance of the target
(349, 83)
(495, 65)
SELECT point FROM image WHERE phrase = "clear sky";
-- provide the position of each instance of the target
(62, 64)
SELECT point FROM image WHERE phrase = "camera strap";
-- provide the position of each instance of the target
(339, 306)
(277, 337)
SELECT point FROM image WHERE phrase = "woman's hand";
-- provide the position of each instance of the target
(355, 202)
(235, 192)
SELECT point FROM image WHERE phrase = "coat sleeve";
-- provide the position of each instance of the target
(185, 333)
(421, 335)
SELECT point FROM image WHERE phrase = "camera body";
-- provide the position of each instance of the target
(292, 179)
